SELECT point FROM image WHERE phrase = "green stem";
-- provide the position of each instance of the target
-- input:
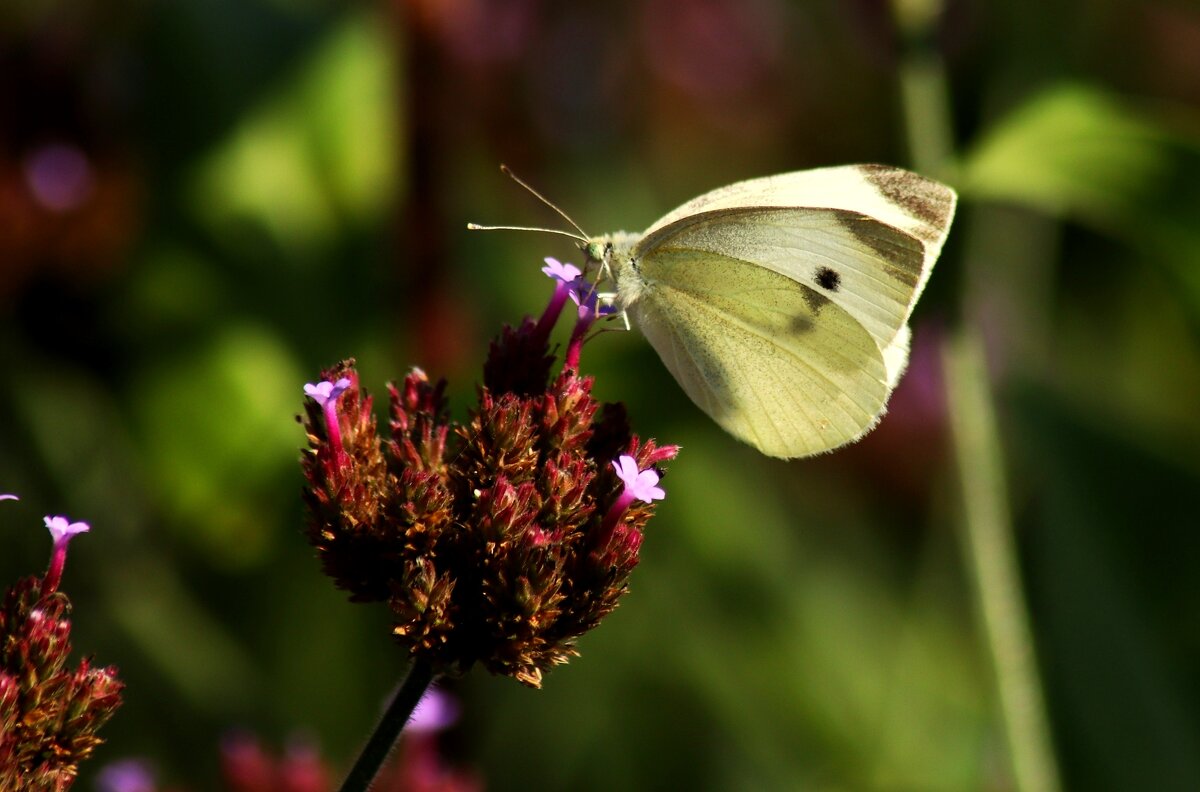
(926, 113)
(987, 526)
(990, 550)
(384, 738)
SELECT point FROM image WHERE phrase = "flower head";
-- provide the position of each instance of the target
(491, 540)
(500, 540)
(49, 711)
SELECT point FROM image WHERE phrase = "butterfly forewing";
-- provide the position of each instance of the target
(869, 269)
(906, 201)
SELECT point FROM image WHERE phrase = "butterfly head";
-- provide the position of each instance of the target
(598, 250)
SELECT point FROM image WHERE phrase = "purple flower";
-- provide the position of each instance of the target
(9, 497)
(127, 775)
(639, 484)
(436, 711)
(564, 273)
(565, 277)
(590, 309)
(62, 529)
(324, 393)
(586, 297)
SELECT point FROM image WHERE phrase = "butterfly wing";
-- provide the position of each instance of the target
(880, 232)
(768, 358)
(781, 304)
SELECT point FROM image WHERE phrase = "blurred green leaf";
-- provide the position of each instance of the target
(219, 434)
(187, 643)
(1082, 154)
(318, 153)
(1071, 150)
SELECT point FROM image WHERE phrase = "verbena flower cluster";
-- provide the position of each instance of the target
(499, 540)
(49, 711)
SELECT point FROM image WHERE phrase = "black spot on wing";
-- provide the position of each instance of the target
(828, 279)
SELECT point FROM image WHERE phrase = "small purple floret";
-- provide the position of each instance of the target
(639, 484)
(564, 273)
(325, 392)
(437, 711)
(63, 529)
(9, 497)
(127, 775)
(585, 296)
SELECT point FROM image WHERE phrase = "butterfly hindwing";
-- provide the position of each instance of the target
(768, 358)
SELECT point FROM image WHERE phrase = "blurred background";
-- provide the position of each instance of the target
(204, 202)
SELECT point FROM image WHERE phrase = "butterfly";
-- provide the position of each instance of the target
(781, 304)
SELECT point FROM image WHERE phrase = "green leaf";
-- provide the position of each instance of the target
(1070, 151)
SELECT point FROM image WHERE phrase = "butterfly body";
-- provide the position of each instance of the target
(781, 304)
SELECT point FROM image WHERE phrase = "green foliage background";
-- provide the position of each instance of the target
(277, 184)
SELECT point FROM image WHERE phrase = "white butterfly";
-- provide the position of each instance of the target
(781, 304)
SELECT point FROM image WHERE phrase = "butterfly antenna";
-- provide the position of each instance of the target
(508, 172)
(477, 227)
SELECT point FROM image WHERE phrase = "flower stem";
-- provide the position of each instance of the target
(987, 533)
(387, 732)
(989, 547)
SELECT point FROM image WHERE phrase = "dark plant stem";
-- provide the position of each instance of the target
(387, 732)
